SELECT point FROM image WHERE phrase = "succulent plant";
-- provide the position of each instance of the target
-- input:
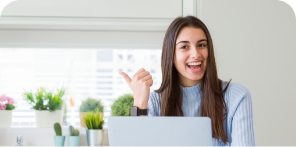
(91, 105)
(58, 129)
(122, 105)
(73, 131)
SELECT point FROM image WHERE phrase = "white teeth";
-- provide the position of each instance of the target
(194, 63)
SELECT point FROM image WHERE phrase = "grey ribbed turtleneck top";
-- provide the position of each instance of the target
(239, 120)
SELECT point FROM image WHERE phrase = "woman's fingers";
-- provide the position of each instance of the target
(138, 72)
(142, 74)
(148, 80)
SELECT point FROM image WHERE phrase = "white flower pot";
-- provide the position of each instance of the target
(45, 118)
(94, 137)
(6, 118)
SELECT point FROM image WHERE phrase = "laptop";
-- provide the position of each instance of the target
(159, 131)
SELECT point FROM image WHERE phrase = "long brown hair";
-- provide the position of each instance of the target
(213, 104)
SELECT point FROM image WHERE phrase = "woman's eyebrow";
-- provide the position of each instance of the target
(182, 42)
(188, 41)
(201, 40)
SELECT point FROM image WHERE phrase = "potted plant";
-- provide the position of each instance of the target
(59, 139)
(73, 139)
(48, 106)
(7, 104)
(90, 105)
(94, 133)
(122, 105)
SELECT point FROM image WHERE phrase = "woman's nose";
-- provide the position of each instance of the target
(194, 53)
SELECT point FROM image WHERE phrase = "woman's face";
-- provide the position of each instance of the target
(191, 55)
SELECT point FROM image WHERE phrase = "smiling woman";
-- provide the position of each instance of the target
(190, 86)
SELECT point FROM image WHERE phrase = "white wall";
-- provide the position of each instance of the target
(255, 44)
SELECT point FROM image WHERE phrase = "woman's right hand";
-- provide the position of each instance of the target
(140, 84)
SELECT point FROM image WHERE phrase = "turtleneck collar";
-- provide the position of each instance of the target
(191, 88)
(191, 93)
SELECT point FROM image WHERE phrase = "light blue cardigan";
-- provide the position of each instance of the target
(239, 121)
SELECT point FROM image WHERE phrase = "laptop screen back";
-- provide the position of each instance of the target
(159, 131)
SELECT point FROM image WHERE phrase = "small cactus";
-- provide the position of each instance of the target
(57, 129)
(73, 131)
(76, 132)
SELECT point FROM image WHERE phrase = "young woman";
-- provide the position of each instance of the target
(191, 87)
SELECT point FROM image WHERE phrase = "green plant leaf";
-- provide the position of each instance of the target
(9, 107)
(94, 120)
(45, 100)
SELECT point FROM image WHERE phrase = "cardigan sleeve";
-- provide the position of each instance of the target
(242, 133)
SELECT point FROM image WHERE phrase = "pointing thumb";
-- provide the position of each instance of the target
(126, 78)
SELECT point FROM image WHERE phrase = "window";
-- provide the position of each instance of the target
(83, 72)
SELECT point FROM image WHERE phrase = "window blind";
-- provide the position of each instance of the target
(83, 72)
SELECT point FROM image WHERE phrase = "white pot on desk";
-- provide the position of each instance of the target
(94, 137)
(45, 118)
(6, 118)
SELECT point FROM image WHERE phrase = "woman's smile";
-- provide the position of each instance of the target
(195, 67)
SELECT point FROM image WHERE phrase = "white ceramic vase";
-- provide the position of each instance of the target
(94, 137)
(6, 118)
(46, 119)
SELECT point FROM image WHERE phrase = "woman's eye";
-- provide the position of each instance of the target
(183, 47)
(202, 45)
